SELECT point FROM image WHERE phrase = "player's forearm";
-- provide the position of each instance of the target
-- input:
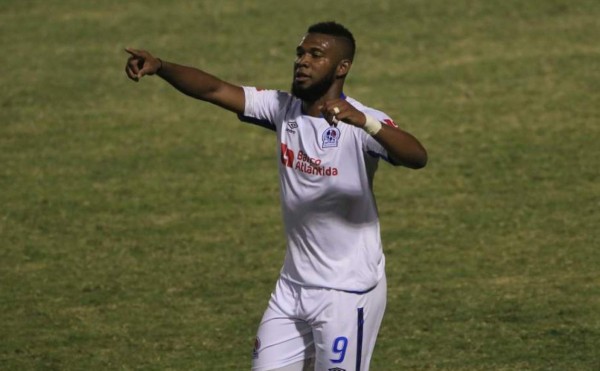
(403, 148)
(202, 85)
(188, 80)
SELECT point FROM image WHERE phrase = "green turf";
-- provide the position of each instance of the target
(140, 230)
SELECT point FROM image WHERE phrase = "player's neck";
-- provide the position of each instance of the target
(313, 108)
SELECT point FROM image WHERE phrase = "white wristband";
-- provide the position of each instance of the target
(372, 125)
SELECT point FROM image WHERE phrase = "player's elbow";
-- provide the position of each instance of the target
(416, 160)
(421, 160)
(415, 165)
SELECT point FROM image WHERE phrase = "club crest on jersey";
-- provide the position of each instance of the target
(331, 136)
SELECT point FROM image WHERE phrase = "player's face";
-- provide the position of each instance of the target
(317, 57)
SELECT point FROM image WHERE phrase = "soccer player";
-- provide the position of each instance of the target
(328, 303)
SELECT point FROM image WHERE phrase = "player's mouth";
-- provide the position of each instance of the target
(301, 76)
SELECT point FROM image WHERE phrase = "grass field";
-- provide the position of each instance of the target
(141, 230)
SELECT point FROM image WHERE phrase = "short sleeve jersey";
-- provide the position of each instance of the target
(326, 176)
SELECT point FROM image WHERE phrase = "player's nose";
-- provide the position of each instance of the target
(302, 60)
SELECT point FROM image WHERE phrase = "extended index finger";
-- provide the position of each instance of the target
(134, 52)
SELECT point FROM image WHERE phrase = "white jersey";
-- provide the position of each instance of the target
(326, 176)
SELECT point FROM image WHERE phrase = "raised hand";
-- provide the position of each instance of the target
(336, 110)
(141, 63)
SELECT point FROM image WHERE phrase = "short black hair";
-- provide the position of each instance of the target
(335, 29)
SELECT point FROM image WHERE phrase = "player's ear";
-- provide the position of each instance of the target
(343, 68)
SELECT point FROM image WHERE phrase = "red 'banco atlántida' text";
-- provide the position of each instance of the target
(305, 163)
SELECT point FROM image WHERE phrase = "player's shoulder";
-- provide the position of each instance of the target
(376, 113)
(271, 99)
(275, 93)
(366, 109)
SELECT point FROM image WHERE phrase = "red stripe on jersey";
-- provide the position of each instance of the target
(390, 122)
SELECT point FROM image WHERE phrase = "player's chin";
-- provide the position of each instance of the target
(300, 89)
(309, 90)
(300, 84)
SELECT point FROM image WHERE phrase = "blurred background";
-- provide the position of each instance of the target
(140, 229)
